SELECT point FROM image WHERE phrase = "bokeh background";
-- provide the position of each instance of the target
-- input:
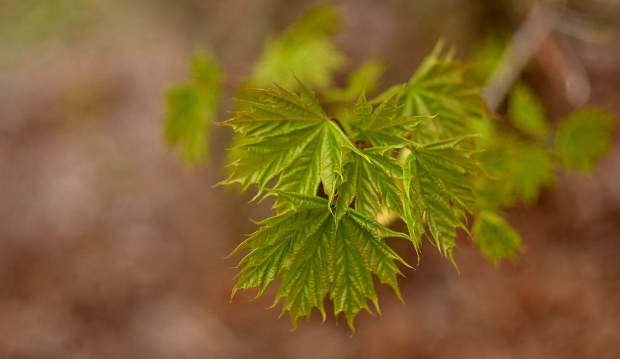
(109, 248)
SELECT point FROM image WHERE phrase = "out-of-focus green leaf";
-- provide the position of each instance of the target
(316, 255)
(305, 49)
(527, 113)
(364, 79)
(487, 55)
(519, 170)
(495, 237)
(438, 188)
(191, 107)
(584, 137)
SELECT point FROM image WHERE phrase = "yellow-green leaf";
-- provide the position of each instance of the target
(315, 255)
(527, 113)
(363, 79)
(191, 107)
(288, 136)
(383, 126)
(438, 188)
(439, 88)
(584, 137)
(371, 184)
(519, 171)
(305, 49)
(495, 238)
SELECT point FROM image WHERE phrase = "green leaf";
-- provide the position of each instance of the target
(527, 113)
(495, 237)
(384, 126)
(584, 137)
(288, 135)
(191, 107)
(364, 78)
(438, 189)
(439, 88)
(488, 53)
(518, 172)
(305, 48)
(371, 184)
(316, 256)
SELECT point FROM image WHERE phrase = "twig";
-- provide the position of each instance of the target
(521, 49)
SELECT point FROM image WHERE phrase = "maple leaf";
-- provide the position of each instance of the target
(518, 172)
(288, 135)
(191, 108)
(495, 237)
(438, 189)
(383, 126)
(305, 48)
(527, 113)
(364, 78)
(371, 183)
(487, 54)
(440, 89)
(316, 255)
(584, 137)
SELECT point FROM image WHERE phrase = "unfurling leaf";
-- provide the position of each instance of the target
(191, 109)
(584, 137)
(315, 255)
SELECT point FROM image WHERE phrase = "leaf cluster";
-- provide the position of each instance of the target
(428, 152)
(287, 139)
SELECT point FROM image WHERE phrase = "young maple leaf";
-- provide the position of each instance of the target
(438, 188)
(383, 126)
(440, 89)
(371, 183)
(316, 255)
(306, 47)
(584, 137)
(192, 107)
(495, 238)
(290, 136)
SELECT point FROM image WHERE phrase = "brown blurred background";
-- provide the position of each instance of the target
(110, 249)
